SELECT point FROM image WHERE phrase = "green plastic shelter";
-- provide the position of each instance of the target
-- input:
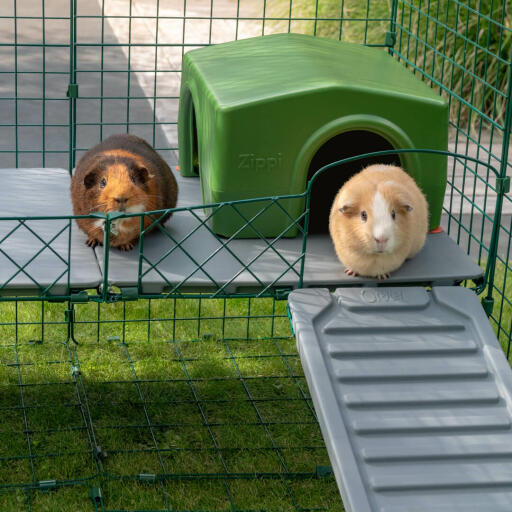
(256, 113)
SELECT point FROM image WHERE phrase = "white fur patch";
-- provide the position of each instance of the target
(100, 223)
(114, 225)
(118, 224)
(382, 221)
(136, 208)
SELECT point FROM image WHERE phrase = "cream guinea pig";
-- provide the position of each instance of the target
(379, 218)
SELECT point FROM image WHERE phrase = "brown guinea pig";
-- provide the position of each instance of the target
(123, 173)
(378, 219)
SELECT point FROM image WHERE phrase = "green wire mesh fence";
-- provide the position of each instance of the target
(464, 50)
(175, 394)
(195, 403)
(188, 259)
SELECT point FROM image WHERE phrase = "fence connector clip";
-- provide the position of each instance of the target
(96, 495)
(503, 185)
(322, 471)
(488, 305)
(69, 315)
(147, 477)
(99, 454)
(130, 293)
(46, 485)
(72, 91)
(390, 38)
(75, 371)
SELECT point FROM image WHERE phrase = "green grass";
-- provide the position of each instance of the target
(350, 20)
(65, 499)
(501, 318)
(466, 47)
(208, 395)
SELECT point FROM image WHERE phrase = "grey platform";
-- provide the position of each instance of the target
(234, 266)
(37, 193)
(440, 262)
(413, 395)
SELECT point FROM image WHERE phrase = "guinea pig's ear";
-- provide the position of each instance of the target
(404, 204)
(347, 209)
(91, 178)
(142, 174)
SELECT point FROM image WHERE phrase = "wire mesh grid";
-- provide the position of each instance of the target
(120, 63)
(220, 264)
(100, 420)
(34, 73)
(175, 394)
(463, 49)
(49, 242)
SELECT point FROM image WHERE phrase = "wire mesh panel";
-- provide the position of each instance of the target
(34, 77)
(186, 256)
(464, 50)
(45, 439)
(129, 53)
(200, 404)
(194, 404)
(64, 499)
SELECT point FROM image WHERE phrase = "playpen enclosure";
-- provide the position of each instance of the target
(94, 417)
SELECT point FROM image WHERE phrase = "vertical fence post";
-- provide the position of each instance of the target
(16, 131)
(305, 235)
(502, 187)
(391, 33)
(72, 92)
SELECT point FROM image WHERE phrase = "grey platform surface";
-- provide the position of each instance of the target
(41, 192)
(45, 192)
(413, 394)
(440, 262)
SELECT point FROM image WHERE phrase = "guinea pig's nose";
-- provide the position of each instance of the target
(381, 240)
(120, 200)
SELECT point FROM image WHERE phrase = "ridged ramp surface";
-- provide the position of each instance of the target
(413, 395)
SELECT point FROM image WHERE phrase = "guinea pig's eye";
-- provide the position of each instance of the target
(393, 214)
(364, 216)
(103, 183)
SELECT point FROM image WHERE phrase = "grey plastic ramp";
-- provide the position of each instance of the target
(253, 264)
(413, 396)
(35, 255)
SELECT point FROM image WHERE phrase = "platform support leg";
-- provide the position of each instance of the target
(488, 305)
(70, 320)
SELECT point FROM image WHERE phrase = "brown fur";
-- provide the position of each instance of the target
(354, 240)
(134, 175)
